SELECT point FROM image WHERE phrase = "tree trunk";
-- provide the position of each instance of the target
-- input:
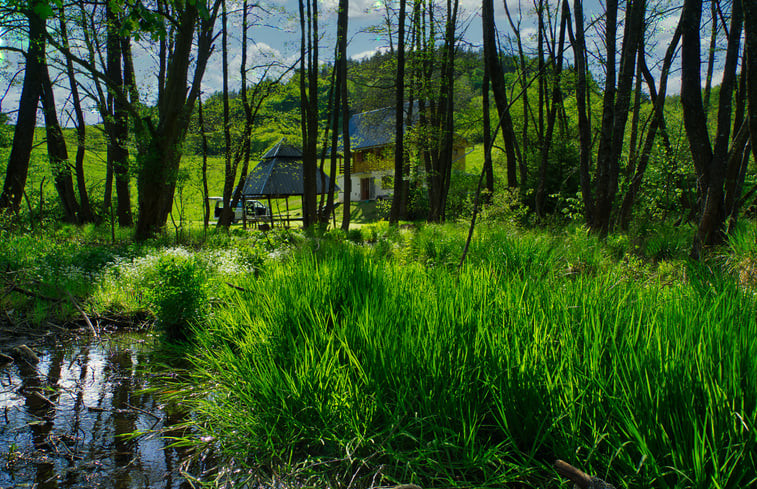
(57, 153)
(615, 111)
(488, 166)
(227, 214)
(340, 95)
(635, 114)
(551, 116)
(750, 34)
(347, 183)
(160, 145)
(23, 135)
(309, 108)
(442, 159)
(85, 209)
(658, 124)
(497, 79)
(205, 193)
(118, 127)
(522, 167)
(584, 127)
(711, 54)
(710, 163)
(399, 122)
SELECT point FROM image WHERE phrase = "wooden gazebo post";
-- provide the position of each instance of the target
(244, 213)
(270, 209)
(286, 201)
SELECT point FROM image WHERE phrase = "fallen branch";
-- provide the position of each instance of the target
(579, 477)
(39, 397)
(84, 314)
(236, 287)
(36, 295)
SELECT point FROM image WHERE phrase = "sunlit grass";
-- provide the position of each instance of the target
(348, 358)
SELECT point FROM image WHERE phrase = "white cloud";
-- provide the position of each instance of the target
(367, 54)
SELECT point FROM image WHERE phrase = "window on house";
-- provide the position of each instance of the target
(387, 182)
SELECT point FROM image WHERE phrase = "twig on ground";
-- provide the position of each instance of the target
(579, 477)
(36, 295)
(236, 287)
(84, 314)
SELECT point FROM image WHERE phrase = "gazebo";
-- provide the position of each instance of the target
(279, 175)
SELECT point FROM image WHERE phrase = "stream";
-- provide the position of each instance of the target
(62, 420)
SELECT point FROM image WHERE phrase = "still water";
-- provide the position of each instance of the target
(62, 420)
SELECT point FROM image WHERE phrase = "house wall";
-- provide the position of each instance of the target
(378, 159)
(368, 185)
(373, 169)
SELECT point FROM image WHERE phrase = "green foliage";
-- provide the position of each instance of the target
(460, 197)
(504, 206)
(178, 294)
(6, 131)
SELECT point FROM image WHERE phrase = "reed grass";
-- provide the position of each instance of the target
(373, 364)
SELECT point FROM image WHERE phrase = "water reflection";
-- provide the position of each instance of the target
(63, 421)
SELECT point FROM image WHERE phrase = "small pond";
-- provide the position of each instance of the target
(62, 420)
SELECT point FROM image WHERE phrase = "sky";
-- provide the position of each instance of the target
(275, 34)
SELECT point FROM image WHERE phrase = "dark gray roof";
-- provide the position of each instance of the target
(280, 174)
(373, 128)
(282, 149)
(376, 128)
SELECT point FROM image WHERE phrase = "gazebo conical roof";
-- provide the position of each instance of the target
(279, 174)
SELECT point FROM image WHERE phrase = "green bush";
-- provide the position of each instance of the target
(178, 294)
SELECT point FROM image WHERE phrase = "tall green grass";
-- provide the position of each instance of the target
(368, 367)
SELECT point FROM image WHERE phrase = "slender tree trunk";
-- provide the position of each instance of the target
(603, 205)
(249, 115)
(442, 160)
(524, 83)
(347, 184)
(23, 135)
(85, 209)
(227, 214)
(615, 111)
(635, 114)
(399, 122)
(57, 153)
(750, 35)
(551, 116)
(497, 79)
(658, 124)
(309, 108)
(488, 166)
(584, 127)
(711, 54)
(205, 193)
(118, 127)
(340, 66)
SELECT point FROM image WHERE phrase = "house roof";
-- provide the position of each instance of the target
(376, 128)
(279, 174)
(282, 149)
(372, 128)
